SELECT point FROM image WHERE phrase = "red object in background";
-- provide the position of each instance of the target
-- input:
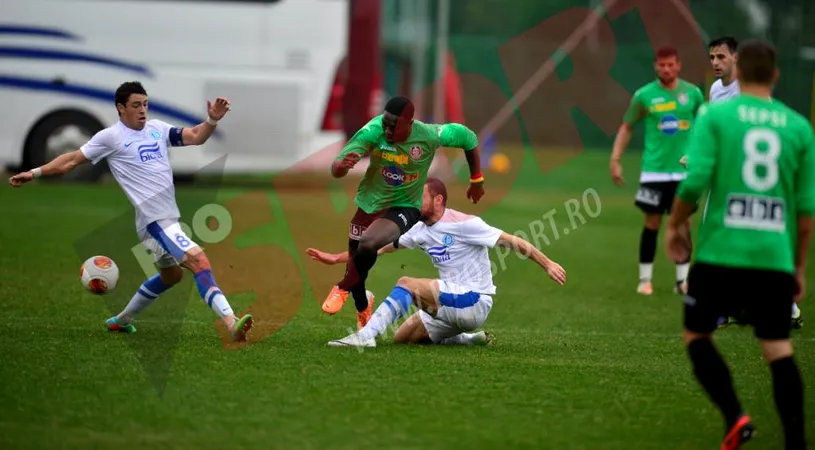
(363, 86)
(454, 107)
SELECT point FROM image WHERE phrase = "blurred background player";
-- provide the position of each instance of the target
(757, 157)
(723, 55)
(667, 106)
(136, 151)
(389, 196)
(459, 301)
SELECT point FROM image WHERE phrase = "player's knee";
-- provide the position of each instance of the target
(405, 282)
(171, 275)
(690, 336)
(653, 221)
(197, 262)
(773, 350)
(368, 245)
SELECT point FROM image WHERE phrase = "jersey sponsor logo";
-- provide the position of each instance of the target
(755, 212)
(355, 232)
(415, 152)
(664, 107)
(394, 157)
(670, 124)
(395, 176)
(438, 254)
(387, 148)
(447, 240)
(155, 134)
(657, 100)
(149, 152)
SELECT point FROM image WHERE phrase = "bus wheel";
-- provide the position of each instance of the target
(62, 132)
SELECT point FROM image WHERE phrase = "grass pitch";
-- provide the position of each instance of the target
(587, 366)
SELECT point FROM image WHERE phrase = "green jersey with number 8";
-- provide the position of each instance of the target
(757, 156)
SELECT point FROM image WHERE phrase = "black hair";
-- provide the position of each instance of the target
(731, 43)
(757, 62)
(125, 90)
(400, 107)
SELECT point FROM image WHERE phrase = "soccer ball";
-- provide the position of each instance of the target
(99, 274)
(499, 163)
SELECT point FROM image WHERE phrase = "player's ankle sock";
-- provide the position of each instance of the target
(147, 293)
(360, 297)
(795, 311)
(714, 376)
(392, 309)
(211, 294)
(459, 339)
(648, 249)
(788, 390)
(682, 272)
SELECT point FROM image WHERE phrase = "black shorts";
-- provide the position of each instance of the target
(656, 197)
(405, 217)
(761, 298)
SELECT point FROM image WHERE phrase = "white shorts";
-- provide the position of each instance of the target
(167, 242)
(461, 310)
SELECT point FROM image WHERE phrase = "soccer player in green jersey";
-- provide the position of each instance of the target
(756, 157)
(667, 107)
(389, 196)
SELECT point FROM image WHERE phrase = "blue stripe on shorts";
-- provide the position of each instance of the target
(168, 244)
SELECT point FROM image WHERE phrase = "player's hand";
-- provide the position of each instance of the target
(21, 178)
(677, 243)
(475, 191)
(323, 257)
(616, 172)
(556, 272)
(684, 161)
(800, 282)
(340, 168)
(218, 110)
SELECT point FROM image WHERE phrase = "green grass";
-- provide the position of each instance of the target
(589, 365)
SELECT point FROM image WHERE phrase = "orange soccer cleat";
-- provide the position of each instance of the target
(335, 300)
(364, 316)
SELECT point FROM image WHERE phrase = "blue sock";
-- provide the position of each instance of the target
(392, 309)
(211, 293)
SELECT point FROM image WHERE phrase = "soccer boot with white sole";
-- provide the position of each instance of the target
(645, 287)
(483, 338)
(352, 340)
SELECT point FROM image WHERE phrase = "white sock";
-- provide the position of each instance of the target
(682, 271)
(646, 271)
(795, 311)
(459, 339)
(387, 313)
(221, 306)
(136, 305)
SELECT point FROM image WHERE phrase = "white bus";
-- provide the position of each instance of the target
(276, 60)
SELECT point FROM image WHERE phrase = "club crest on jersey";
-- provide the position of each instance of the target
(149, 152)
(415, 152)
(447, 240)
(155, 134)
(438, 254)
(683, 98)
(395, 176)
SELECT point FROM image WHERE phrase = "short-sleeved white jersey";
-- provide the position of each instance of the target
(719, 92)
(459, 246)
(139, 161)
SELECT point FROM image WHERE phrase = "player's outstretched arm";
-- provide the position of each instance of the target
(341, 258)
(456, 135)
(555, 271)
(200, 133)
(60, 165)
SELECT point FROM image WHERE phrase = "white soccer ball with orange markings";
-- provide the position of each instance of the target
(99, 274)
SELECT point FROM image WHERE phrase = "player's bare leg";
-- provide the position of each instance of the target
(147, 293)
(788, 390)
(196, 261)
(648, 250)
(379, 234)
(412, 332)
(683, 268)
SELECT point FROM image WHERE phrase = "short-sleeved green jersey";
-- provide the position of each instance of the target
(668, 116)
(757, 157)
(397, 171)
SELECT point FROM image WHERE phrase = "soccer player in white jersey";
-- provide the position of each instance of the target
(459, 301)
(723, 55)
(136, 152)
